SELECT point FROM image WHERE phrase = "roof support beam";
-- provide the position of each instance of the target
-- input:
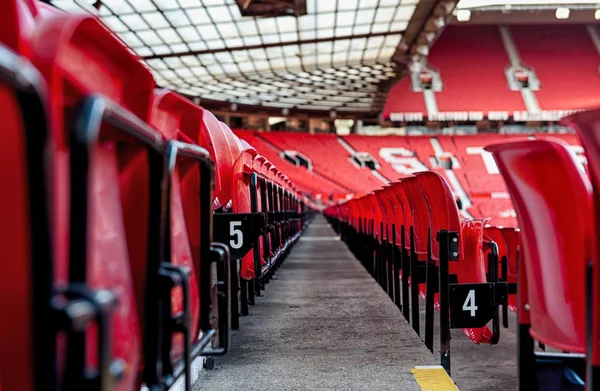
(270, 45)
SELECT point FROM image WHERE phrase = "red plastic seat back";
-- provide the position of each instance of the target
(404, 205)
(17, 25)
(241, 202)
(397, 210)
(216, 142)
(27, 261)
(79, 57)
(173, 115)
(442, 207)
(587, 126)
(544, 180)
(420, 213)
(387, 213)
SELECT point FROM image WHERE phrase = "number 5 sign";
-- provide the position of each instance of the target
(237, 236)
(238, 231)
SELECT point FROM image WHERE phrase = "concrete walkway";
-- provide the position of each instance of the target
(322, 324)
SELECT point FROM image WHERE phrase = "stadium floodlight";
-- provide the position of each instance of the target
(597, 15)
(463, 15)
(562, 13)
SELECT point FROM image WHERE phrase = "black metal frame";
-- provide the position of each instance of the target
(162, 276)
(29, 89)
(381, 256)
(274, 218)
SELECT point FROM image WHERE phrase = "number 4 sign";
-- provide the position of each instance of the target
(469, 304)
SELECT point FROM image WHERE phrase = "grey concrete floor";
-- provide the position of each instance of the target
(322, 324)
(480, 367)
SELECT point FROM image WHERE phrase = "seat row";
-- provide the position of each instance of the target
(136, 226)
(410, 236)
(410, 231)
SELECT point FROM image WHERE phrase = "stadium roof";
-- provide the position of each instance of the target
(330, 54)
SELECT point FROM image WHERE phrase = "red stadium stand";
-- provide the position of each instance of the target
(307, 181)
(396, 155)
(566, 62)
(471, 61)
(402, 99)
(328, 157)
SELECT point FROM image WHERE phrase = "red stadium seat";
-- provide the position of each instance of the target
(107, 233)
(26, 285)
(552, 234)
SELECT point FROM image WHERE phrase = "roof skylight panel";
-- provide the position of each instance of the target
(227, 30)
(115, 24)
(230, 68)
(169, 36)
(384, 15)
(131, 39)
(150, 38)
(198, 17)
(289, 37)
(399, 26)
(246, 67)
(70, 6)
(164, 5)
(188, 34)
(405, 13)
(119, 7)
(219, 14)
(348, 5)
(160, 49)
(345, 18)
(173, 62)
(179, 18)
(156, 20)
(134, 22)
(142, 5)
(343, 31)
(364, 16)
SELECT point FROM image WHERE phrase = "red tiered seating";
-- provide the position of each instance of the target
(471, 61)
(402, 99)
(305, 180)
(393, 153)
(566, 62)
(328, 157)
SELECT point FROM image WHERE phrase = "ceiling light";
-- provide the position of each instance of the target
(597, 15)
(562, 13)
(463, 15)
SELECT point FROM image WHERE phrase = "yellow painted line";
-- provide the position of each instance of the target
(433, 378)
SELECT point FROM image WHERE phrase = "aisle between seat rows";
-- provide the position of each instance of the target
(324, 323)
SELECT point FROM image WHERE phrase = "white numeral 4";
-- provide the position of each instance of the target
(469, 304)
